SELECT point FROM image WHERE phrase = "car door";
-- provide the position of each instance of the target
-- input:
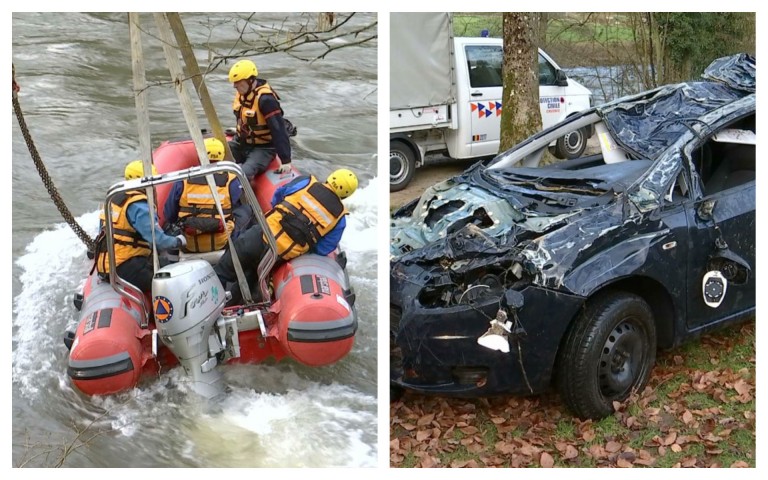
(485, 90)
(721, 229)
(551, 95)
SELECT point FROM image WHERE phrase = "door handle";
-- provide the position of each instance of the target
(476, 94)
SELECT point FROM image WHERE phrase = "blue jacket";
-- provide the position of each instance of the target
(138, 217)
(331, 240)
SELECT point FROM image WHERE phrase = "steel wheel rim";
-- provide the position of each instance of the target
(397, 167)
(622, 359)
(573, 142)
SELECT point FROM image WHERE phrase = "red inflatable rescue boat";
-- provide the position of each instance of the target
(124, 334)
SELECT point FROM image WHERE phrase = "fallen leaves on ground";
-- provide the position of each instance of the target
(685, 426)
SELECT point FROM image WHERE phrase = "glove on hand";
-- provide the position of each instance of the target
(182, 241)
(284, 168)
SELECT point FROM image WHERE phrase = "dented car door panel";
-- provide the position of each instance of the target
(733, 215)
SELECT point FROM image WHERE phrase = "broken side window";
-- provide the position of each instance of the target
(727, 159)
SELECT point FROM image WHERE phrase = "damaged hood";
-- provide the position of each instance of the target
(521, 202)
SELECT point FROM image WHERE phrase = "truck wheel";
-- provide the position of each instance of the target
(402, 166)
(608, 353)
(571, 145)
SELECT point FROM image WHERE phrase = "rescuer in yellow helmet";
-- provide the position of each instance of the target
(192, 202)
(307, 216)
(132, 234)
(261, 128)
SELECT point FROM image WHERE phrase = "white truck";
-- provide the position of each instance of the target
(445, 96)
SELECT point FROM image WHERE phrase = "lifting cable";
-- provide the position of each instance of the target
(45, 177)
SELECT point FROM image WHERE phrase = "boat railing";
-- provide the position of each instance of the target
(128, 290)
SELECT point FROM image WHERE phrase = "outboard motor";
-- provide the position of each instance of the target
(187, 299)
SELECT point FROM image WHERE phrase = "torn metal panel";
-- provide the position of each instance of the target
(737, 71)
(648, 126)
(439, 351)
(442, 212)
(550, 258)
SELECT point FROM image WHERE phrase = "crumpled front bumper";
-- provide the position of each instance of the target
(435, 350)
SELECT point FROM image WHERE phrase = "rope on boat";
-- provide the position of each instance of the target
(46, 178)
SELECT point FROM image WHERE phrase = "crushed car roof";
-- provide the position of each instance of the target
(646, 124)
(651, 126)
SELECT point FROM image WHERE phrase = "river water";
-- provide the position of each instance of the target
(76, 92)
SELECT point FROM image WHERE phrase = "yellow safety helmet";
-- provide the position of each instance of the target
(214, 148)
(343, 182)
(135, 169)
(242, 70)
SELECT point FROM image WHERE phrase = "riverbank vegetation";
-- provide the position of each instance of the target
(662, 47)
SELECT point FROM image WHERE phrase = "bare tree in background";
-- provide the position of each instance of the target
(304, 36)
(308, 37)
(520, 115)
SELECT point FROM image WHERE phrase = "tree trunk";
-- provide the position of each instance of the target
(542, 36)
(520, 115)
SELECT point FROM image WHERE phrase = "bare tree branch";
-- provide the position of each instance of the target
(296, 41)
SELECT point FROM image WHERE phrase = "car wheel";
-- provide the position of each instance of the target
(402, 165)
(608, 353)
(571, 145)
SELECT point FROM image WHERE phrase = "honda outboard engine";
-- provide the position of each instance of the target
(187, 299)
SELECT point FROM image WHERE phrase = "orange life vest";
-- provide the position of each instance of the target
(303, 218)
(251, 124)
(127, 241)
(197, 202)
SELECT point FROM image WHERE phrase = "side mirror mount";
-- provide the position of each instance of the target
(704, 212)
(561, 79)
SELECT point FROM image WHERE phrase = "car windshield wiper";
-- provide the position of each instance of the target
(572, 185)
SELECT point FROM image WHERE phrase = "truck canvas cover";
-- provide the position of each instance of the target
(421, 77)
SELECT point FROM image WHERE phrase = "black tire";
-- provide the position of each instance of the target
(608, 353)
(402, 166)
(571, 145)
(396, 392)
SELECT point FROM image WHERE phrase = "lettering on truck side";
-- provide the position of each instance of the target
(553, 103)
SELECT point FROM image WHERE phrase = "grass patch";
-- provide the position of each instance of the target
(569, 28)
(565, 429)
(473, 25)
(599, 28)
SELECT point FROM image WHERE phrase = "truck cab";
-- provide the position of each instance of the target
(470, 126)
(480, 103)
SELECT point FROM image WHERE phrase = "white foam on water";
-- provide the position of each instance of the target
(360, 235)
(312, 425)
(270, 417)
(53, 267)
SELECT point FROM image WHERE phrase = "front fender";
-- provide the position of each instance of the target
(622, 260)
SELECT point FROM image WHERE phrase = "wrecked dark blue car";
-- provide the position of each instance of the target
(510, 279)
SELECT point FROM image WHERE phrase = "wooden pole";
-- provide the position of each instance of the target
(142, 117)
(198, 80)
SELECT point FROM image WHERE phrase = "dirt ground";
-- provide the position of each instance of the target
(433, 172)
